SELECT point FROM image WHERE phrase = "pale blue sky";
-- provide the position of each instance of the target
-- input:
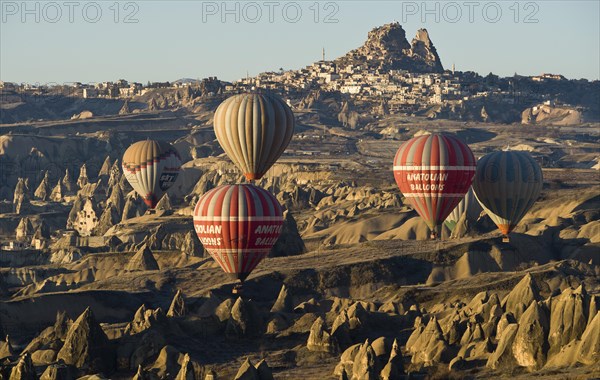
(171, 40)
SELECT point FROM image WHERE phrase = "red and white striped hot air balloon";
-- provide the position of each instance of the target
(151, 167)
(238, 225)
(434, 172)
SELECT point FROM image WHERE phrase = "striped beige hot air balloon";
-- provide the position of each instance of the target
(507, 184)
(254, 129)
(151, 167)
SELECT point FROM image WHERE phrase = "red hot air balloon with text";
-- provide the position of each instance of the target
(434, 172)
(238, 225)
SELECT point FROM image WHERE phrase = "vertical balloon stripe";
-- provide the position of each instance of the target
(469, 206)
(279, 112)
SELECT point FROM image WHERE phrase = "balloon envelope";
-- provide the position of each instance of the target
(434, 172)
(507, 184)
(238, 225)
(254, 130)
(469, 206)
(151, 167)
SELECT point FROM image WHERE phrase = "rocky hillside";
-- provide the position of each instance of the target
(388, 48)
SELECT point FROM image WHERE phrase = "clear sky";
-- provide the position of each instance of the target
(144, 41)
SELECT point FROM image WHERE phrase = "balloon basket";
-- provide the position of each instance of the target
(505, 239)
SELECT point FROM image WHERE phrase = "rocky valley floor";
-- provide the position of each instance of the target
(354, 288)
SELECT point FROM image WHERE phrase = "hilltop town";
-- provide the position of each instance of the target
(386, 75)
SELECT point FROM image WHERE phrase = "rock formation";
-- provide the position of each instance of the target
(51, 338)
(105, 168)
(125, 110)
(588, 352)
(86, 346)
(341, 329)
(347, 360)
(264, 371)
(421, 47)
(140, 374)
(290, 242)
(67, 182)
(283, 304)
(142, 260)
(58, 192)
(152, 106)
(191, 245)
(503, 355)
(21, 197)
(82, 180)
(24, 230)
(24, 370)
(521, 296)
(247, 371)
(44, 190)
(348, 116)
(394, 367)
(6, 349)
(245, 320)
(186, 371)
(430, 346)
(530, 345)
(568, 317)
(177, 308)
(110, 216)
(388, 46)
(164, 203)
(87, 218)
(59, 371)
(115, 199)
(319, 339)
(167, 364)
(547, 114)
(115, 176)
(133, 208)
(365, 366)
(145, 319)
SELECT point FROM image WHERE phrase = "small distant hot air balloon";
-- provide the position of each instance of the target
(468, 206)
(238, 225)
(254, 129)
(434, 172)
(151, 167)
(507, 184)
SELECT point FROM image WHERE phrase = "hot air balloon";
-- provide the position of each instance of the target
(468, 206)
(434, 172)
(238, 225)
(254, 130)
(507, 184)
(151, 167)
